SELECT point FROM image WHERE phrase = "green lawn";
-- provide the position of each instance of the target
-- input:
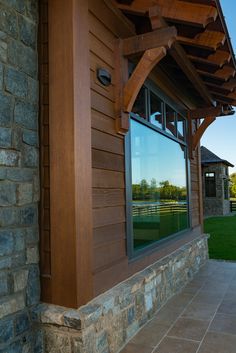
(222, 243)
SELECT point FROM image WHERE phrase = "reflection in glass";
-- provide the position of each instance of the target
(139, 107)
(170, 120)
(156, 116)
(159, 186)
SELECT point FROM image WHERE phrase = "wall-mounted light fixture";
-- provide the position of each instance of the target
(104, 76)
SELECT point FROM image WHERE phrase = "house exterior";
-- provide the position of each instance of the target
(101, 120)
(215, 184)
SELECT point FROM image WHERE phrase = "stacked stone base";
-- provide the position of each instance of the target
(109, 321)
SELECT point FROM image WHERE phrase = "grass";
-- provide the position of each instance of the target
(222, 243)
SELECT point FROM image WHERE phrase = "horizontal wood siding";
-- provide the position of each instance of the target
(110, 261)
(107, 156)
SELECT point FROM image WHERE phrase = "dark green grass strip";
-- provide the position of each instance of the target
(222, 243)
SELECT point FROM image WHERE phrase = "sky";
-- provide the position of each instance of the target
(220, 137)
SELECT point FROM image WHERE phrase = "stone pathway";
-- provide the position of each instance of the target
(201, 319)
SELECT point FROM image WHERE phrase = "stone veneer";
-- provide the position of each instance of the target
(106, 323)
(216, 206)
(19, 180)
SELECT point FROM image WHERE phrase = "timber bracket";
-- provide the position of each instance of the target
(208, 116)
(153, 46)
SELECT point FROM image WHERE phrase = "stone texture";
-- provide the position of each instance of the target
(11, 305)
(26, 115)
(6, 330)
(7, 194)
(24, 193)
(8, 22)
(216, 206)
(19, 170)
(107, 322)
(20, 279)
(6, 110)
(27, 31)
(16, 83)
(9, 158)
(30, 137)
(5, 137)
(22, 57)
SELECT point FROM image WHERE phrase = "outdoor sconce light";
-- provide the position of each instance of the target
(104, 77)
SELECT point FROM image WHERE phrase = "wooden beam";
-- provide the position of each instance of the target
(158, 38)
(180, 56)
(207, 40)
(70, 153)
(148, 61)
(218, 59)
(178, 53)
(231, 84)
(204, 112)
(179, 11)
(218, 88)
(223, 74)
(200, 131)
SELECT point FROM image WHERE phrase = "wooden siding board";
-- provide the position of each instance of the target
(108, 197)
(105, 142)
(108, 215)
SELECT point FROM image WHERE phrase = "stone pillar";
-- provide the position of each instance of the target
(19, 174)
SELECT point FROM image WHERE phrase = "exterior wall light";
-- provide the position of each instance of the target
(104, 77)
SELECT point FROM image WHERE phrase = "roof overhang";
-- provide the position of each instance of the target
(202, 51)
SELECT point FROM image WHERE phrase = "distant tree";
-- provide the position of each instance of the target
(233, 185)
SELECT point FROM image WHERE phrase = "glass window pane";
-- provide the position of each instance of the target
(170, 120)
(156, 117)
(210, 185)
(159, 186)
(139, 107)
(181, 127)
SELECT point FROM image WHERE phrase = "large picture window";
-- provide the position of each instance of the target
(158, 195)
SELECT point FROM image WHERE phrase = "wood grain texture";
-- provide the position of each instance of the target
(70, 153)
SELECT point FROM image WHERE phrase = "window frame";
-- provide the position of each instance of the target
(131, 252)
(205, 179)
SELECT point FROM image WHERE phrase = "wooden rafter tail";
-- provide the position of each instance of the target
(148, 61)
(183, 12)
(207, 40)
(200, 131)
(220, 57)
(163, 37)
(231, 84)
(223, 74)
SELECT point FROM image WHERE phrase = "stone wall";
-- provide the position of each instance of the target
(106, 323)
(215, 206)
(19, 181)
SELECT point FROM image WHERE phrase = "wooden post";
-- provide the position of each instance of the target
(70, 153)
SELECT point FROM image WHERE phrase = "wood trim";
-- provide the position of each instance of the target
(208, 111)
(150, 40)
(200, 131)
(200, 197)
(70, 153)
(148, 61)
(183, 12)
